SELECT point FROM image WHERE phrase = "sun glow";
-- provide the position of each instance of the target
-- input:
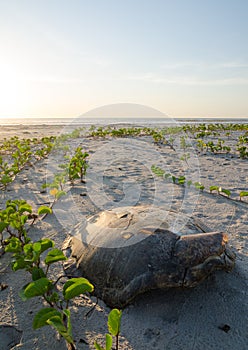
(13, 91)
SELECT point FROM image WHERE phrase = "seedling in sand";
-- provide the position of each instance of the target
(157, 171)
(220, 190)
(78, 165)
(199, 186)
(114, 326)
(243, 194)
(185, 157)
(183, 143)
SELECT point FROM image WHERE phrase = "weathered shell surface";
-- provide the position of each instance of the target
(125, 252)
(125, 226)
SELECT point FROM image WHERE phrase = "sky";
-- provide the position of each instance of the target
(185, 58)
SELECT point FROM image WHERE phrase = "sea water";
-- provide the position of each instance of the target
(107, 121)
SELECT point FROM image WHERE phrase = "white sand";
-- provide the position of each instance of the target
(174, 319)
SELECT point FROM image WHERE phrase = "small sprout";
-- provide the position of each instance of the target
(199, 186)
(181, 180)
(108, 343)
(223, 190)
(157, 171)
(220, 190)
(44, 210)
(114, 327)
(114, 321)
(243, 194)
(214, 188)
(185, 157)
(174, 179)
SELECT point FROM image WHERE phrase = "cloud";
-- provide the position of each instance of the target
(188, 80)
(204, 65)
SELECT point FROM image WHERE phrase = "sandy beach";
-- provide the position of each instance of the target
(213, 315)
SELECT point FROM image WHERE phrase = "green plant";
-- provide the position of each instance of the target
(185, 157)
(181, 180)
(78, 165)
(48, 143)
(57, 186)
(199, 186)
(219, 147)
(20, 155)
(29, 256)
(201, 145)
(220, 190)
(157, 170)
(13, 219)
(99, 132)
(183, 143)
(243, 151)
(176, 180)
(157, 136)
(114, 326)
(5, 173)
(243, 194)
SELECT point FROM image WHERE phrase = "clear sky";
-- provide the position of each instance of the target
(61, 58)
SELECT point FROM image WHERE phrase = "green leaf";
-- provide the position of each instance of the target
(54, 255)
(243, 194)
(6, 179)
(22, 294)
(38, 287)
(40, 319)
(37, 273)
(227, 192)
(3, 225)
(214, 188)
(76, 286)
(14, 245)
(28, 248)
(181, 180)
(24, 219)
(25, 208)
(157, 171)
(97, 346)
(57, 323)
(20, 263)
(46, 243)
(10, 209)
(59, 194)
(44, 210)
(37, 247)
(199, 186)
(109, 342)
(114, 321)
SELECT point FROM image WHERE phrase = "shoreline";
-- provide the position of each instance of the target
(79, 121)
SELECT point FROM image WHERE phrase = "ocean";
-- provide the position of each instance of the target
(109, 121)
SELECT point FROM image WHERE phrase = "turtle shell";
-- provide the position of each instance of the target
(126, 226)
(127, 251)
